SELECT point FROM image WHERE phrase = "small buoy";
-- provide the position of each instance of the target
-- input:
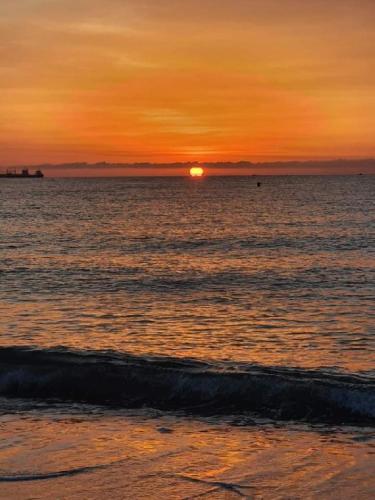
(165, 430)
(258, 184)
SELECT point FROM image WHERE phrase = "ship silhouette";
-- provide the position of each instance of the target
(24, 174)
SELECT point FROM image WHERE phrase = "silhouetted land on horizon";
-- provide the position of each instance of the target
(337, 166)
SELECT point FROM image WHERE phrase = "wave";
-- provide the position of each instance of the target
(107, 378)
(135, 280)
(217, 245)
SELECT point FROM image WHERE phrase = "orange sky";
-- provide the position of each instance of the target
(173, 80)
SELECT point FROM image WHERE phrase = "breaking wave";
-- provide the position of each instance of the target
(186, 385)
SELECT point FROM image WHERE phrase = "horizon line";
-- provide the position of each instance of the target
(140, 164)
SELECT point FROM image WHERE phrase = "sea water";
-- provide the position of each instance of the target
(186, 337)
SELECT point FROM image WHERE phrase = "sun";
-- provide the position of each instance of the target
(196, 171)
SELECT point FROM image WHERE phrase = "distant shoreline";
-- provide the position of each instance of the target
(178, 169)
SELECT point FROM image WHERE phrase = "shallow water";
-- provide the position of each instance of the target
(211, 297)
(83, 452)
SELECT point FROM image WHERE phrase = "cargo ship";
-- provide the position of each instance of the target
(24, 174)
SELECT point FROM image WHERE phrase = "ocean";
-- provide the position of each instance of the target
(186, 338)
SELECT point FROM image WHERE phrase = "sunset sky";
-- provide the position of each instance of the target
(193, 80)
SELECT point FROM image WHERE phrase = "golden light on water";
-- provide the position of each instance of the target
(196, 171)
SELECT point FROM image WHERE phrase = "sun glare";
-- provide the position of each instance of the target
(196, 171)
